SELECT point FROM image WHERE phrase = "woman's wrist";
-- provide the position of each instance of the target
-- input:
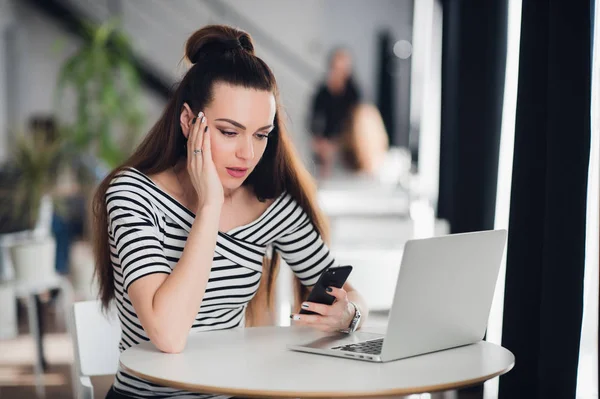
(208, 217)
(209, 210)
(361, 306)
(352, 325)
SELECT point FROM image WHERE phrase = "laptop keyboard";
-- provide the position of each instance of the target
(372, 347)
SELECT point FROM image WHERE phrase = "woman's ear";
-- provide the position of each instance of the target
(185, 119)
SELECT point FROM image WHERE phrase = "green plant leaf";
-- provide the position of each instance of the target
(106, 87)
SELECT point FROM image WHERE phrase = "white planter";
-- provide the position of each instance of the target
(8, 315)
(34, 260)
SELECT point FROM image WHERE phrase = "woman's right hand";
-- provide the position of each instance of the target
(201, 167)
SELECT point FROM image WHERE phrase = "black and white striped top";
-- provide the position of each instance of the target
(147, 232)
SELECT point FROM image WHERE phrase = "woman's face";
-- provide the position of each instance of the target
(240, 120)
(341, 65)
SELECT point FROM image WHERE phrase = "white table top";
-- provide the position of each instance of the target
(363, 203)
(255, 362)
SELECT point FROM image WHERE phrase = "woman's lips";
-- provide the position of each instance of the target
(237, 172)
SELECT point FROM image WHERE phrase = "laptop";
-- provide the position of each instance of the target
(442, 300)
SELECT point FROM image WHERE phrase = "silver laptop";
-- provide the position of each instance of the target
(443, 298)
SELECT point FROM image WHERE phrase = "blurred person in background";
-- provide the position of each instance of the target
(331, 108)
(182, 228)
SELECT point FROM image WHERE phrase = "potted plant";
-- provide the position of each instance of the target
(35, 161)
(105, 119)
(100, 119)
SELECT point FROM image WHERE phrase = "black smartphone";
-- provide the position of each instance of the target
(332, 277)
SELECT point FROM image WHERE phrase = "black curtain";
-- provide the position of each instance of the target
(545, 262)
(473, 69)
(386, 84)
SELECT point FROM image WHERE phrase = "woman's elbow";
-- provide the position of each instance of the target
(168, 341)
(170, 347)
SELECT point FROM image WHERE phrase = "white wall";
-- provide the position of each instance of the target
(6, 22)
(37, 62)
(297, 25)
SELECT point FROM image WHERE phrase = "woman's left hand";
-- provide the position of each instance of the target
(329, 318)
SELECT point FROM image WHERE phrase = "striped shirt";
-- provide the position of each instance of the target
(147, 231)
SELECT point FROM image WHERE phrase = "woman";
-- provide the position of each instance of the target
(184, 228)
(332, 107)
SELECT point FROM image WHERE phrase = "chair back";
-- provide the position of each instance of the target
(96, 337)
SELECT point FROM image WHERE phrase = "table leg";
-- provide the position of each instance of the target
(445, 395)
(32, 315)
(40, 339)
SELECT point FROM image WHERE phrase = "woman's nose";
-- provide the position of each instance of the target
(245, 149)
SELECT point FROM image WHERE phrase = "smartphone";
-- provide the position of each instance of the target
(332, 277)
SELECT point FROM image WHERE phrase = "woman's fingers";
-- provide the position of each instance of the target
(338, 293)
(316, 321)
(206, 152)
(308, 319)
(190, 141)
(192, 138)
(327, 317)
(321, 309)
(198, 133)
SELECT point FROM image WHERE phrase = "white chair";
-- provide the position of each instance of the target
(96, 338)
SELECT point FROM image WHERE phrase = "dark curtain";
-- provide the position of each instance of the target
(386, 84)
(545, 262)
(473, 69)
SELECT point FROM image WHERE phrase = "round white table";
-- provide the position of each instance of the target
(255, 362)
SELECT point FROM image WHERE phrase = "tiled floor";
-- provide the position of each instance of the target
(18, 356)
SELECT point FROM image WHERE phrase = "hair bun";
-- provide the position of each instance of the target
(217, 40)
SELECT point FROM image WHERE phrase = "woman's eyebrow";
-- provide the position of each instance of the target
(239, 125)
(234, 123)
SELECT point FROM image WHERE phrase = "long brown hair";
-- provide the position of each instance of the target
(218, 54)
